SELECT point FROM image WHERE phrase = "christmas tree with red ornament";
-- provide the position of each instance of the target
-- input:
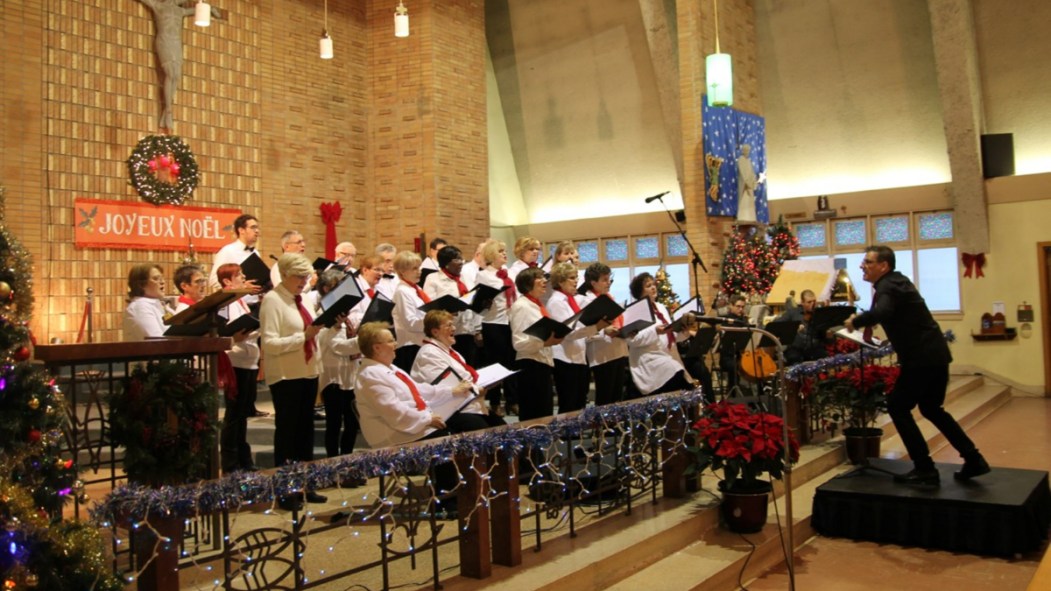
(40, 550)
(752, 262)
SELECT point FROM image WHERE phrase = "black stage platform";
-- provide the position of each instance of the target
(1003, 513)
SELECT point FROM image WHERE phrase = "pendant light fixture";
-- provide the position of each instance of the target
(718, 71)
(202, 14)
(325, 43)
(401, 20)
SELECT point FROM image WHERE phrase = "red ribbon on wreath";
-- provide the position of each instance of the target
(973, 263)
(330, 214)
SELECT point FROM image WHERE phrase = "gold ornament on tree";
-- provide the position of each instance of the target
(5, 290)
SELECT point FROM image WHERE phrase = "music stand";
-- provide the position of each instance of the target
(784, 330)
(701, 342)
(203, 317)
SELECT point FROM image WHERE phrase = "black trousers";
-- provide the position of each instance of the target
(699, 371)
(571, 385)
(497, 348)
(925, 387)
(677, 382)
(341, 424)
(293, 420)
(535, 395)
(609, 381)
(235, 453)
(405, 356)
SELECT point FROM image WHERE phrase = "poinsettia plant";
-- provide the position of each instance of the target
(743, 443)
(851, 397)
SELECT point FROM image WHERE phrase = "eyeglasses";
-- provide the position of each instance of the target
(869, 262)
(200, 282)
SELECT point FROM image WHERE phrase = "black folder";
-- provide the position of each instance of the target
(826, 317)
(701, 342)
(645, 320)
(339, 301)
(545, 327)
(679, 324)
(380, 309)
(602, 307)
(321, 264)
(449, 303)
(245, 322)
(482, 296)
(256, 270)
(196, 329)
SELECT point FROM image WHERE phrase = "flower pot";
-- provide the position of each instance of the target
(862, 443)
(743, 510)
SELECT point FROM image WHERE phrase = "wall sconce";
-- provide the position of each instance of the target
(718, 71)
(401, 20)
(202, 14)
(325, 43)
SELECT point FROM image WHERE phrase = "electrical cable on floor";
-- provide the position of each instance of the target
(784, 550)
(740, 575)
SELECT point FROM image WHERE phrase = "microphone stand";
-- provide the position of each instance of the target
(696, 261)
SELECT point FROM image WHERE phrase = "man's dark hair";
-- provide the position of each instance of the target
(884, 254)
(184, 274)
(736, 298)
(242, 222)
(447, 255)
(436, 241)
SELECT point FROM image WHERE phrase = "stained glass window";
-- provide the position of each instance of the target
(894, 229)
(811, 235)
(936, 226)
(675, 246)
(588, 251)
(647, 248)
(850, 232)
(617, 249)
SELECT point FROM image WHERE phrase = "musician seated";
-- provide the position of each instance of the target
(807, 345)
(730, 356)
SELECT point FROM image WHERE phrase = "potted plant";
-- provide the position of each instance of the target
(852, 398)
(743, 445)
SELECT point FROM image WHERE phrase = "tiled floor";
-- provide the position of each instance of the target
(1015, 436)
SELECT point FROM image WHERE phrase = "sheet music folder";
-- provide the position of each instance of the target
(602, 307)
(255, 269)
(449, 303)
(637, 316)
(380, 309)
(827, 317)
(245, 322)
(546, 327)
(196, 321)
(339, 301)
(482, 295)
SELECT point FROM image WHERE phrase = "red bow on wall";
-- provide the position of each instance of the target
(330, 214)
(973, 263)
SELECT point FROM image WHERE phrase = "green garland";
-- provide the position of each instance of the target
(162, 170)
(165, 418)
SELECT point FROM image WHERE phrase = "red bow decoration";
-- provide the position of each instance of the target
(973, 263)
(330, 214)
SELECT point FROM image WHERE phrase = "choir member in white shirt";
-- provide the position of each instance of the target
(408, 318)
(496, 328)
(431, 262)
(436, 356)
(607, 354)
(534, 356)
(470, 270)
(246, 227)
(235, 452)
(346, 252)
(652, 354)
(292, 365)
(192, 285)
(571, 363)
(393, 408)
(339, 367)
(565, 252)
(145, 310)
(388, 281)
(448, 281)
(527, 254)
(291, 241)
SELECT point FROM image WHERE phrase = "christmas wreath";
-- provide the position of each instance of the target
(165, 417)
(162, 170)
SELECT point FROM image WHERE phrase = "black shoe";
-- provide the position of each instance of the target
(919, 477)
(313, 497)
(291, 503)
(975, 466)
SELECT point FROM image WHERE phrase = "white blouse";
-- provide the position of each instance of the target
(439, 284)
(408, 318)
(434, 357)
(573, 349)
(339, 363)
(386, 408)
(523, 314)
(603, 348)
(144, 318)
(652, 359)
(245, 354)
(497, 313)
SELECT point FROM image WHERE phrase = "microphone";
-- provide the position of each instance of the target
(273, 257)
(656, 197)
(717, 320)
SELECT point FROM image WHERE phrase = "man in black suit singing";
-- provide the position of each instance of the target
(924, 358)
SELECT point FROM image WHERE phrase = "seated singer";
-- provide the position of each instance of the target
(652, 355)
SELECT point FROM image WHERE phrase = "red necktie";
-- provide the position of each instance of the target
(459, 284)
(419, 292)
(372, 293)
(572, 302)
(308, 345)
(543, 310)
(670, 335)
(470, 370)
(509, 293)
(420, 404)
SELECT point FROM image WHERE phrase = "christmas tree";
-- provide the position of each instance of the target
(783, 242)
(750, 264)
(665, 294)
(40, 549)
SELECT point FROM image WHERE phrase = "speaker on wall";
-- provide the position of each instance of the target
(998, 155)
(680, 216)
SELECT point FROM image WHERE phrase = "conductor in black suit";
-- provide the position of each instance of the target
(924, 358)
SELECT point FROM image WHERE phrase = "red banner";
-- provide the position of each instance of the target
(99, 223)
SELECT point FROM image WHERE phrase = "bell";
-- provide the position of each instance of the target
(843, 289)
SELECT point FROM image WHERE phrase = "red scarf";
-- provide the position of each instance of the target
(543, 310)
(420, 404)
(372, 293)
(459, 284)
(185, 299)
(308, 345)
(419, 292)
(669, 335)
(572, 302)
(509, 293)
(452, 353)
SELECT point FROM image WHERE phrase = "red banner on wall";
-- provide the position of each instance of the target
(99, 223)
